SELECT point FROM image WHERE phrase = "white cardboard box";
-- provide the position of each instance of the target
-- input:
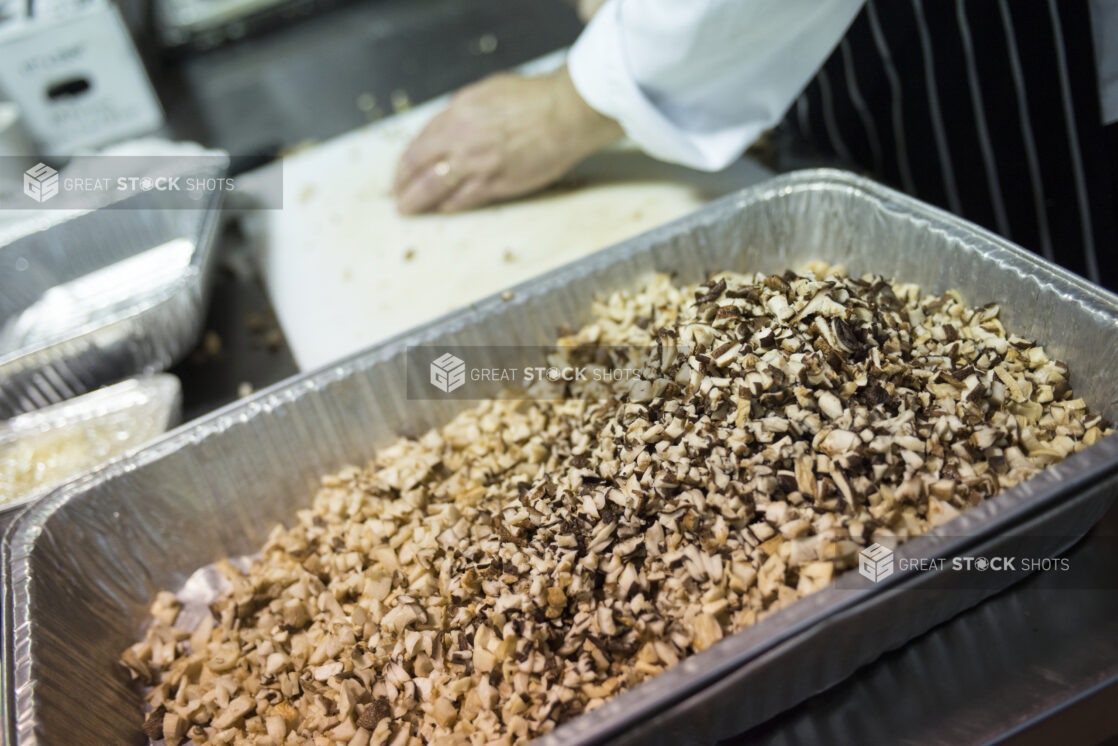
(77, 80)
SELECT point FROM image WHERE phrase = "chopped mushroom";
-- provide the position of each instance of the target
(540, 554)
(830, 405)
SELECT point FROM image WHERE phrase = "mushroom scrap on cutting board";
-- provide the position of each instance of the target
(345, 270)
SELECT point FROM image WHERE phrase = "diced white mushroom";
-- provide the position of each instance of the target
(830, 405)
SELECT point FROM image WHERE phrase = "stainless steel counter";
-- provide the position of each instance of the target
(333, 72)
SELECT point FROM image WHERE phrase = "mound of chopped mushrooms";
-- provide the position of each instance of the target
(537, 556)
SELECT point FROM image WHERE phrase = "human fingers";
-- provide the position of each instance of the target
(474, 193)
(429, 189)
(428, 148)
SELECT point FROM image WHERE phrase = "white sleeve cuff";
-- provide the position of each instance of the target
(696, 82)
(601, 74)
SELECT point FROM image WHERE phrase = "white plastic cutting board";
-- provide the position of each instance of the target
(345, 270)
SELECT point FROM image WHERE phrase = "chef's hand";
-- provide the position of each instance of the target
(500, 138)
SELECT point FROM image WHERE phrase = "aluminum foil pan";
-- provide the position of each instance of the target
(102, 296)
(83, 564)
(42, 449)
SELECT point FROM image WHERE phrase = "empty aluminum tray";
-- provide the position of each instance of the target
(102, 296)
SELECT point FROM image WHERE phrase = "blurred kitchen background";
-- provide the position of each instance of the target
(257, 79)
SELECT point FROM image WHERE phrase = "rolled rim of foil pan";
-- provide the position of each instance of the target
(102, 296)
(142, 408)
(307, 397)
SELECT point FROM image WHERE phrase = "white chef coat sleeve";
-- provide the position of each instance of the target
(696, 81)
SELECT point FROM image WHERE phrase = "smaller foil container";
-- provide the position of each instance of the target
(102, 296)
(41, 450)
